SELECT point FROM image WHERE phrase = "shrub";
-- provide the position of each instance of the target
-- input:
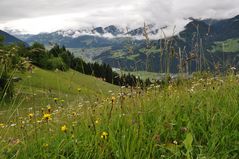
(6, 87)
(56, 63)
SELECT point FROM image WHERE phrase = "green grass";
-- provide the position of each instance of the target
(198, 118)
(143, 74)
(228, 46)
(88, 54)
(152, 50)
(118, 54)
(41, 86)
(132, 57)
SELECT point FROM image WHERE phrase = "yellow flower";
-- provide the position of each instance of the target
(1, 125)
(30, 115)
(47, 116)
(170, 87)
(62, 101)
(45, 145)
(64, 128)
(78, 89)
(113, 99)
(49, 108)
(56, 99)
(97, 122)
(104, 135)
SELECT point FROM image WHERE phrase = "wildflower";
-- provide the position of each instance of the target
(56, 99)
(49, 108)
(1, 125)
(78, 89)
(47, 116)
(64, 128)
(30, 115)
(13, 124)
(45, 145)
(175, 142)
(113, 99)
(62, 101)
(97, 121)
(104, 135)
(170, 87)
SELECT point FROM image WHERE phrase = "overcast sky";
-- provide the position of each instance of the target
(34, 16)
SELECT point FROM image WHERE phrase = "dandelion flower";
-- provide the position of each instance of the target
(45, 145)
(30, 115)
(47, 116)
(113, 99)
(64, 128)
(104, 135)
(56, 99)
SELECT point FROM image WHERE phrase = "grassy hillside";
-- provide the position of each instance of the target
(196, 118)
(230, 45)
(88, 54)
(41, 86)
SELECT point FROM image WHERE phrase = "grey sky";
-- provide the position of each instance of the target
(35, 16)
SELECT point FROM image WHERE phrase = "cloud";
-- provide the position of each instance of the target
(44, 15)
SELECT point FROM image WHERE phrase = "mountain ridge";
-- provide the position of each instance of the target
(125, 48)
(10, 39)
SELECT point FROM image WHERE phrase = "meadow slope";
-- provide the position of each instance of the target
(194, 118)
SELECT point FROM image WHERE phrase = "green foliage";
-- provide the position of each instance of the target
(188, 144)
(56, 63)
(6, 87)
(227, 46)
(10, 62)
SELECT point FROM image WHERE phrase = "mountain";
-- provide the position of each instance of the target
(89, 37)
(216, 39)
(215, 42)
(9, 39)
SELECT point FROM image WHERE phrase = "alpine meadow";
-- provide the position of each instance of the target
(135, 79)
